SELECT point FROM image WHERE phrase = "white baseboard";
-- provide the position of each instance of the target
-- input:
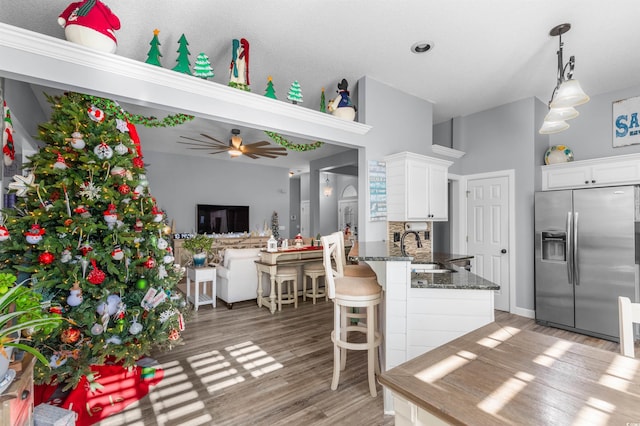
(527, 313)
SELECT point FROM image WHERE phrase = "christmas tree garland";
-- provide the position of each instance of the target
(113, 108)
(300, 147)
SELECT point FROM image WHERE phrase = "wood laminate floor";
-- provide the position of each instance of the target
(245, 366)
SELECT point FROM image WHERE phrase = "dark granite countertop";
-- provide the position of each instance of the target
(460, 278)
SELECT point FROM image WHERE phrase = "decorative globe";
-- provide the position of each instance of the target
(558, 154)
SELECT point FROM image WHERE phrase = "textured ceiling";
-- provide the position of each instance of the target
(485, 52)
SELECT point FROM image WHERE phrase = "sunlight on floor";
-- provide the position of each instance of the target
(620, 374)
(253, 359)
(498, 337)
(595, 413)
(552, 354)
(446, 366)
(493, 403)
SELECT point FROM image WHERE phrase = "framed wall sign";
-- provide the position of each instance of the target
(377, 191)
(626, 124)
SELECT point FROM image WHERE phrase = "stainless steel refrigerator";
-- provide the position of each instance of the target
(585, 257)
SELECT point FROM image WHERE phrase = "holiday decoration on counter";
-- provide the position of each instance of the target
(239, 68)
(341, 106)
(270, 92)
(8, 147)
(154, 55)
(295, 93)
(202, 67)
(183, 65)
(98, 243)
(90, 23)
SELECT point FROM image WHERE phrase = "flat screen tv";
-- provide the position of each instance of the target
(221, 219)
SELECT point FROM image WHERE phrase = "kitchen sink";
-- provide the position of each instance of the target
(431, 268)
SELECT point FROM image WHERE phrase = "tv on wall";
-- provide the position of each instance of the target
(221, 219)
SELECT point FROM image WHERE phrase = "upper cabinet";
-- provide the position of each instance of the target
(416, 187)
(618, 170)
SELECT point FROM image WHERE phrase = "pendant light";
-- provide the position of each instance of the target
(567, 94)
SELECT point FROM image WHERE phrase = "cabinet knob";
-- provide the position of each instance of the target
(593, 181)
(24, 395)
(586, 182)
(503, 251)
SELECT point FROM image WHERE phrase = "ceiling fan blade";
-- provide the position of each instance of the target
(198, 142)
(213, 139)
(258, 144)
(250, 155)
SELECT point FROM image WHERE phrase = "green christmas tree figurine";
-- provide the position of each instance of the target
(183, 65)
(270, 92)
(154, 55)
(295, 93)
(90, 236)
(203, 68)
(322, 102)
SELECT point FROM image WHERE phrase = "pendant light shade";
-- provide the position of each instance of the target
(566, 95)
(561, 114)
(549, 127)
(569, 94)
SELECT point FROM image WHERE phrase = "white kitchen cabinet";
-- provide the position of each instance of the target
(416, 187)
(618, 170)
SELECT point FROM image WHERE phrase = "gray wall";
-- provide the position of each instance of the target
(590, 134)
(504, 138)
(180, 182)
(400, 122)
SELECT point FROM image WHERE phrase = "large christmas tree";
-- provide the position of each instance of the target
(88, 232)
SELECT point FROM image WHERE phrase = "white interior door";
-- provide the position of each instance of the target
(305, 218)
(488, 233)
(348, 214)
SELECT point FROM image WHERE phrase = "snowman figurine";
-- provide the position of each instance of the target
(34, 235)
(90, 23)
(4, 233)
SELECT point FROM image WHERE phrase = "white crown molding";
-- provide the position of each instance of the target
(40, 59)
(447, 152)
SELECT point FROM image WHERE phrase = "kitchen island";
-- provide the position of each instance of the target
(422, 311)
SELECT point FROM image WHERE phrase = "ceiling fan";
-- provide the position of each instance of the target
(235, 147)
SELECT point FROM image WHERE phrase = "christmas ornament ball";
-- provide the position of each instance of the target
(70, 335)
(142, 284)
(46, 258)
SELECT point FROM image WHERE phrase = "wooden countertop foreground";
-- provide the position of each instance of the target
(504, 375)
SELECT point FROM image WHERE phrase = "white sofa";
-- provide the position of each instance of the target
(237, 277)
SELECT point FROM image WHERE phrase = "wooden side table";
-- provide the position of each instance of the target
(201, 276)
(16, 403)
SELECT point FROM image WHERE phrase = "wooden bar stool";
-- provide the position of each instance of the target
(348, 293)
(354, 270)
(287, 276)
(313, 271)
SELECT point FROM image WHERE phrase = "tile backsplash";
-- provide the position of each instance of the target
(410, 244)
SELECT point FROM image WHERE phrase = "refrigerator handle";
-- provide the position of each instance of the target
(569, 250)
(576, 269)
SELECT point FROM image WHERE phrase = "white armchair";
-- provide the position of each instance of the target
(237, 277)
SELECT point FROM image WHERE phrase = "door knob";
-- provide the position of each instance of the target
(503, 251)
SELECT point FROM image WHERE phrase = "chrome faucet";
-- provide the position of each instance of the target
(404, 234)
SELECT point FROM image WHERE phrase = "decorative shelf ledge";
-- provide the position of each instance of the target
(48, 61)
(447, 152)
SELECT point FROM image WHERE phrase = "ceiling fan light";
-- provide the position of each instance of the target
(569, 94)
(235, 153)
(549, 127)
(561, 114)
(236, 141)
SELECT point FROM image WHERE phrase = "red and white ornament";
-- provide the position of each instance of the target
(70, 335)
(4, 233)
(103, 151)
(46, 258)
(60, 164)
(158, 215)
(110, 215)
(34, 235)
(96, 114)
(66, 256)
(117, 253)
(86, 248)
(124, 189)
(138, 225)
(150, 263)
(162, 244)
(174, 335)
(76, 141)
(118, 171)
(138, 162)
